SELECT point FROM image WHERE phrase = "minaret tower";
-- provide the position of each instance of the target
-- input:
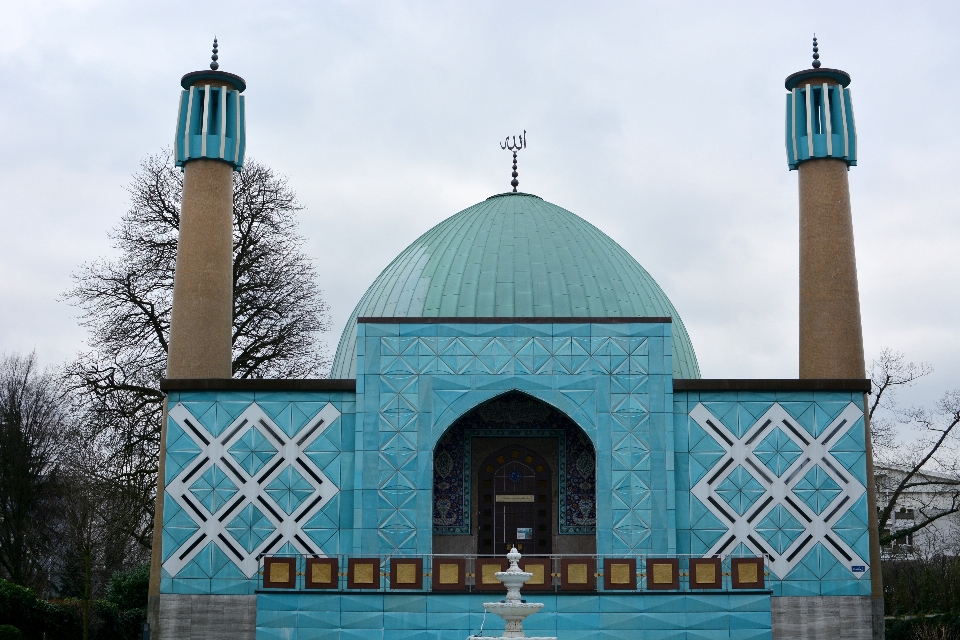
(209, 146)
(821, 142)
(822, 146)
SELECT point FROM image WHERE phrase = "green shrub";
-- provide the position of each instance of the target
(128, 589)
(10, 632)
(21, 608)
(924, 627)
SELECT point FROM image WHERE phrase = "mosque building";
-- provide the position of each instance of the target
(515, 378)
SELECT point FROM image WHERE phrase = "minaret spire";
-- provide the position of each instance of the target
(515, 147)
(216, 65)
(816, 52)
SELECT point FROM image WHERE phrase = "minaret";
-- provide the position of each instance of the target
(821, 145)
(209, 146)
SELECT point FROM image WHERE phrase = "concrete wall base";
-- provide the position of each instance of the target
(206, 617)
(819, 617)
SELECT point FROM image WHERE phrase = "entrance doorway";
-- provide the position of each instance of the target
(515, 503)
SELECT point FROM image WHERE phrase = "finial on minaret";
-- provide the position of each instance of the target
(515, 147)
(816, 54)
(215, 65)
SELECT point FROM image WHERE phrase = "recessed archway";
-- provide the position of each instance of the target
(514, 422)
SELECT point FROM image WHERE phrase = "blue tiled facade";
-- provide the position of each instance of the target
(298, 616)
(678, 473)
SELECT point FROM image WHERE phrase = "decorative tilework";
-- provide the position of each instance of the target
(233, 499)
(514, 415)
(817, 489)
(780, 529)
(740, 490)
(777, 488)
(252, 451)
(289, 489)
(777, 451)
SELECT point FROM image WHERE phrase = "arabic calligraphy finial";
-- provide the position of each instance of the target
(515, 147)
(214, 64)
(816, 54)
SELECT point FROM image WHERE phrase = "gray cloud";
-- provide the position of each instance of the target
(661, 123)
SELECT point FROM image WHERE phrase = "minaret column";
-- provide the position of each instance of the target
(209, 147)
(821, 144)
(831, 336)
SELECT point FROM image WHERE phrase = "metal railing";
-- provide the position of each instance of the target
(382, 573)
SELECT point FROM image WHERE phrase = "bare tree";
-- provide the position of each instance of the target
(928, 468)
(278, 312)
(33, 413)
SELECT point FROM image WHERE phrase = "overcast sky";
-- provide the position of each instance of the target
(661, 123)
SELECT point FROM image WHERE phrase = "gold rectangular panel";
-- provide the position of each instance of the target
(406, 573)
(577, 573)
(662, 573)
(705, 574)
(321, 573)
(537, 571)
(619, 573)
(363, 573)
(515, 498)
(747, 573)
(489, 574)
(449, 573)
(279, 572)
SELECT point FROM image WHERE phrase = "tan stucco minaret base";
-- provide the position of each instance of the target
(209, 147)
(831, 332)
(201, 319)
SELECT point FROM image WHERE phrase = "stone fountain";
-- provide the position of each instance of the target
(512, 610)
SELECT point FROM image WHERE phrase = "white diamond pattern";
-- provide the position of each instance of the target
(740, 454)
(314, 489)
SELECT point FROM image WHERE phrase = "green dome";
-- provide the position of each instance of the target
(514, 255)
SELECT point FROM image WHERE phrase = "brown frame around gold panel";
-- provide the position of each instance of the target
(655, 581)
(439, 573)
(585, 568)
(707, 564)
(546, 579)
(612, 574)
(479, 564)
(331, 570)
(353, 564)
(400, 576)
(748, 568)
(285, 579)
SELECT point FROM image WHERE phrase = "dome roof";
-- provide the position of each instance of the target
(514, 255)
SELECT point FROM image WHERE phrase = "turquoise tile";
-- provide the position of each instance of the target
(448, 620)
(751, 634)
(717, 621)
(406, 634)
(267, 633)
(361, 619)
(751, 620)
(318, 619)
(405, 620)
(310, 633)
(277, 619)
(578, 604)
(372, 602)
(577, 620)
(621, 621)
(361, 634)
(663, 634)
(448, 604)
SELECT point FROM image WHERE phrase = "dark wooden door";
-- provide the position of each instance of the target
(515, 500)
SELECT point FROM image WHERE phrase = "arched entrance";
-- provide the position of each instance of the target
(514, 422)
(515, 497)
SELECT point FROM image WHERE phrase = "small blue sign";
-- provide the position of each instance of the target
(858, 568)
